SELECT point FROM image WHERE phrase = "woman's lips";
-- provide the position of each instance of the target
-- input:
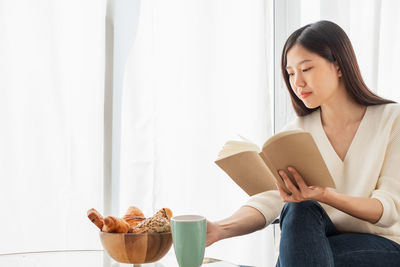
(304, 95)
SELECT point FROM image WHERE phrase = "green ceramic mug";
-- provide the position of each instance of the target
(189, 237)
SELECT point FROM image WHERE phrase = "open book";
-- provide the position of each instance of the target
(256, 170)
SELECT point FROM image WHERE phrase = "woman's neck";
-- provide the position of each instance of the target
(341, 111)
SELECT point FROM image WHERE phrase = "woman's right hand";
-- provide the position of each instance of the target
(213, 233)
(244, 221)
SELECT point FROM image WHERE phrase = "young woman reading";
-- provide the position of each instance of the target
(358, 134)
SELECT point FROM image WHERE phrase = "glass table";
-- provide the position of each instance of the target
(88, 258)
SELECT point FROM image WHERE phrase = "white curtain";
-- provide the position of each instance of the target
(196, 76)
(51, 123)
(374, 29)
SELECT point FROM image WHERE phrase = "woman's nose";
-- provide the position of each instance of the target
(299, 81)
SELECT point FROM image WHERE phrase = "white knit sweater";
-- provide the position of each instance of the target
(371, 168)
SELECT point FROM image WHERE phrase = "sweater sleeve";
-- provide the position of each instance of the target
(388, 187)
(269, 203)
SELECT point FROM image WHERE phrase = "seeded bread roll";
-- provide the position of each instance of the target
(153, 225)
(165, 213)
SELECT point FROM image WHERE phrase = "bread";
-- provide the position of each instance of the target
(115, 225)
(133, 216)
(153, 224)
(164, 213)
(133, 221)
(96, 218)
(134, 211)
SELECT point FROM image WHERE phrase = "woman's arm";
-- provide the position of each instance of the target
(244, 221)
(367, 209)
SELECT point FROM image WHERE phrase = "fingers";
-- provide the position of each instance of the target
(212, 233)
(285, 196)
(297, 177)
(298, 193)
(289, 185)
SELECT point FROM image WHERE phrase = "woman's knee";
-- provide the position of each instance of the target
(300, 211)
(300, 207)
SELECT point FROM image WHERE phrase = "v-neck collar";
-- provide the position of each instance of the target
(354, 142)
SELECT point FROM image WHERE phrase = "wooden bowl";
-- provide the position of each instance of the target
(136, 248)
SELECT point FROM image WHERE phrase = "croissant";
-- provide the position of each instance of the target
(164, 213)
(115, 225)
(133, 216)
(134, 211)
(133, 220)
(96, 218)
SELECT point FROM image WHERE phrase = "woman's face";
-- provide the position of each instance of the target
(313, 79)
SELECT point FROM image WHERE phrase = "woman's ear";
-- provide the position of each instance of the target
(339, 72)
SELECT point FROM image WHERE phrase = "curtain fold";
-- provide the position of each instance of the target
(51, 104)
(196, 76)
(388, 54)
(373, 29)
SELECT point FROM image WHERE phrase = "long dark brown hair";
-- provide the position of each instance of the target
(329, 41)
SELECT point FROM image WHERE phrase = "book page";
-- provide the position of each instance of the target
(235, 147)
(298, 149)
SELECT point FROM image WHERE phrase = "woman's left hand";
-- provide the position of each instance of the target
(302, 192)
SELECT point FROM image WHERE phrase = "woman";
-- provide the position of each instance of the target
(358, 134)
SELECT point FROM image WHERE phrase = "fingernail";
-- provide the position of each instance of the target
(290, 168)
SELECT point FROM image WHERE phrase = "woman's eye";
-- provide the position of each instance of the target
(304, 70)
